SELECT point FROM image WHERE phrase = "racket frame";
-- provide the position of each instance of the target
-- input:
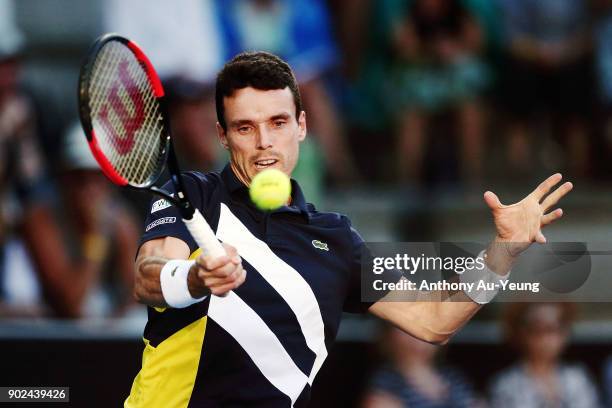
(166, 156)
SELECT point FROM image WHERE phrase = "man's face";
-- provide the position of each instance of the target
(262, 131)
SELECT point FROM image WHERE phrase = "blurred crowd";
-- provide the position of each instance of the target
(412, 94)
(414, 373)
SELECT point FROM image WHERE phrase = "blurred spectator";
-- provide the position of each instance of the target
(607, 382)
(437, 44)
(36, 258)
(299, 31)
(180, 38)
(27, 226)
(192, 118)
(549, 72)
(184, 43)
(412, 378)
(603, 55)
(21, 167)
(99, 219)
(68, 272)
(541, 379)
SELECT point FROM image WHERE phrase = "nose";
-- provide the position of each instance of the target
(264, 138)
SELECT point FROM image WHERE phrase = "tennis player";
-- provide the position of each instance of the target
(252, 329)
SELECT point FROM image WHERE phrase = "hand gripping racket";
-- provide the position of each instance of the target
(123, 113)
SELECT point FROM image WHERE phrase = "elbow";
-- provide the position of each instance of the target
(136, 295)
(138, 291)
(139, 294)
(438, 339)
(437, 335)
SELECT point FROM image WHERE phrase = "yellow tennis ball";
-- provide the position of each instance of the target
(270, 189)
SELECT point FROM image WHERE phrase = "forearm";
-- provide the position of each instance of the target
(147, 286)
(443, 313)
(449, 317)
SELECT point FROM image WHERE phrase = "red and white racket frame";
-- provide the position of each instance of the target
(85, 114)
(193, 219)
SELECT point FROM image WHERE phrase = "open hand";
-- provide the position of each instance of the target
(520, 224)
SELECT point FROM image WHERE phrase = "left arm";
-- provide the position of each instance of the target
(518, 225)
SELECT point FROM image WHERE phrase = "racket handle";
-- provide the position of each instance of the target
(204, 235)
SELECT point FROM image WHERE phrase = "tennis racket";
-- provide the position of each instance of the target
(123, 112)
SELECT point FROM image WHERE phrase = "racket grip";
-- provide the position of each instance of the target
(204, 235)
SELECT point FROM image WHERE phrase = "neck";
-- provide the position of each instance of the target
(243, 178)
(540, 367)
(409, 363)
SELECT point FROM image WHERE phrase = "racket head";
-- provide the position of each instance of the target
(123, 112)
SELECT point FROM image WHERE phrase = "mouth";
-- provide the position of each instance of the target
(265, 163)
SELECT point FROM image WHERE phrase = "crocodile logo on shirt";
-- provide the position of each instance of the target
(320, 245)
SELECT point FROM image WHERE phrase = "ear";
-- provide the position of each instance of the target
(302, 126)
(222, 136)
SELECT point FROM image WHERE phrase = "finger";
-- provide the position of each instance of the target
(230, 250)
(221, 290)
(556, 195)
(492, 200)
(540, 238)
(233, 284)
(208, 263)
(215, 280)
(546, 185)
(552, 216)
(240, 279)
(222, 272)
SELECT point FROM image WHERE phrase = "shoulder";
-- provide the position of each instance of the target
(452, 374)
(330, 219)
(508, 378)
(386, 378)
(574, 373)
(579, 385)
(202, 179)
(336, 221)
(196, 182)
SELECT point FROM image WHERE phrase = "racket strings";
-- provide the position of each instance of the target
(126, 115)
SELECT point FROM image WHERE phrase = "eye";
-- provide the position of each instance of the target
(244, 130)
(279, 123)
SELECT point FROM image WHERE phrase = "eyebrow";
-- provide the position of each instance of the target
(284, 116)
(241, 122)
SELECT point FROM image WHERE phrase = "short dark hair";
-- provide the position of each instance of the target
(260, 70)
(516, 315)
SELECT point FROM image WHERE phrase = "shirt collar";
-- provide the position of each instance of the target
(298, 201)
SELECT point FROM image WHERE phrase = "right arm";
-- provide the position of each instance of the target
(217, 276)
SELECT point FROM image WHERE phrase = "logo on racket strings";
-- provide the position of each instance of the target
(131, 117)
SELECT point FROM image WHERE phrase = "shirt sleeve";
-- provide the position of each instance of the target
(164, 219)
(361, 280)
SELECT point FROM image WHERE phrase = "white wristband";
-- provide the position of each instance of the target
(483, 277)
(173, 280)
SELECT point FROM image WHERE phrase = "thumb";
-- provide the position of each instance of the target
(540, 238)
(492, 200)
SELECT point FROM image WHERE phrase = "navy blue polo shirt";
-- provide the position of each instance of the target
(262, 344)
